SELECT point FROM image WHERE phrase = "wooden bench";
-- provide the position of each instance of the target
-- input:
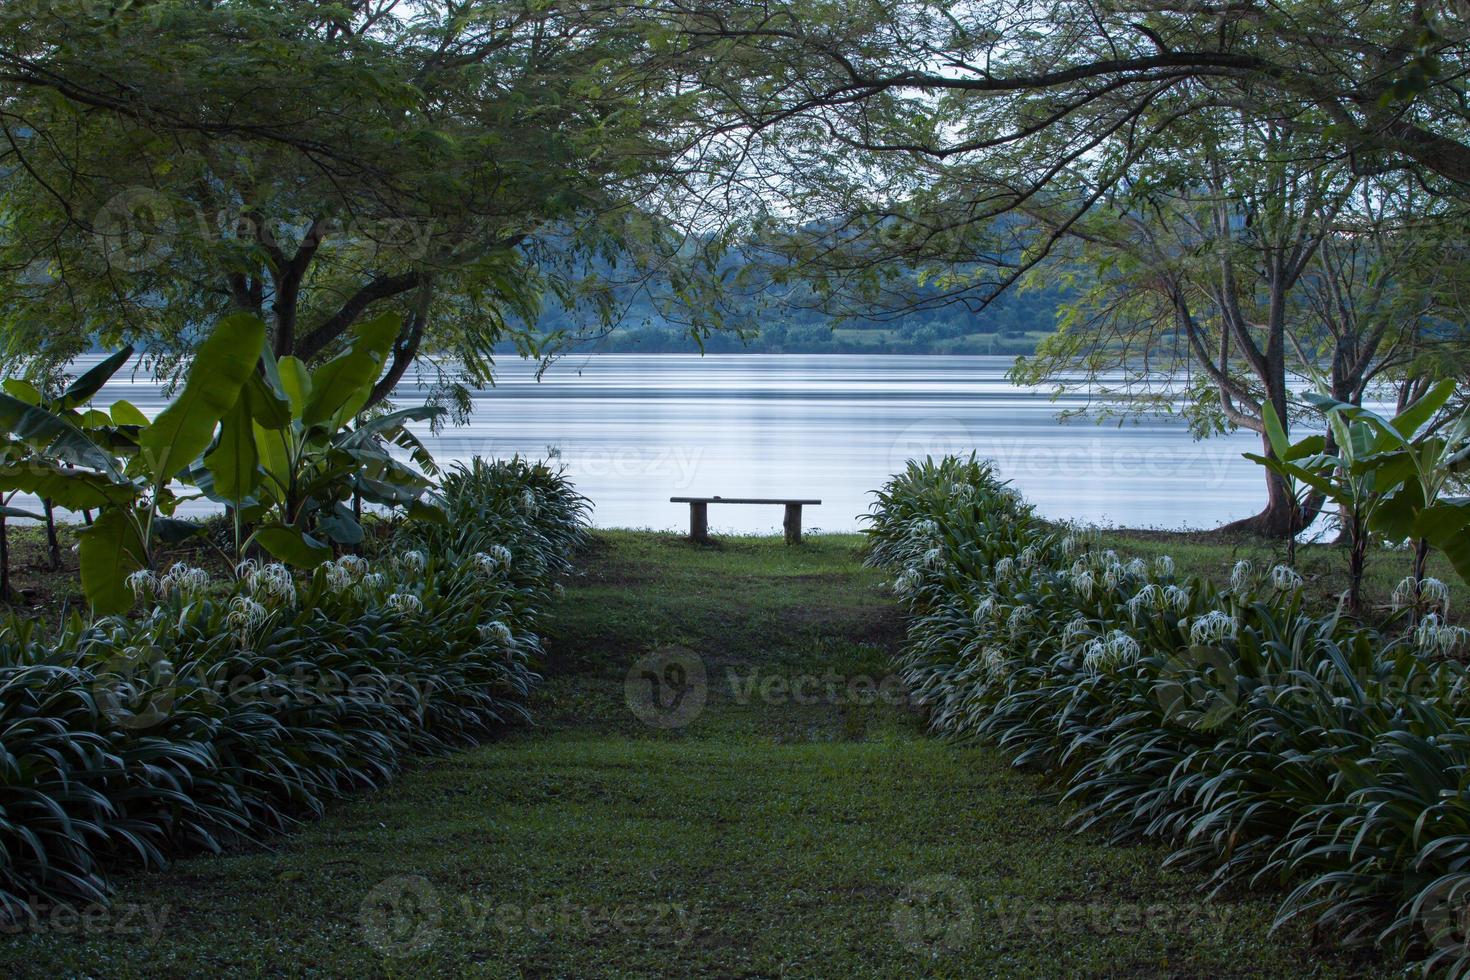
(699, 514)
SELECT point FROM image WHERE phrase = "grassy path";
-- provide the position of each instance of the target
(792, 824)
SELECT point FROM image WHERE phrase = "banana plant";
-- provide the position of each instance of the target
(279, 444)
(1388, 476)
(1418, 461)
(101, 427)
(1283, 449)
(288, 458)
(132, 488)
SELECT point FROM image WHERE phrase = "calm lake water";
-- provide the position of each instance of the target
(636, 429)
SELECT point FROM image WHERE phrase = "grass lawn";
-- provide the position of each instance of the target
(784, 817)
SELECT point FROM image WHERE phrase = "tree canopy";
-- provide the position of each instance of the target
(167, 161)
(1247, 192)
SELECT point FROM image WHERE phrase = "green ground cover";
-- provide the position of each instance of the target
(798, 823)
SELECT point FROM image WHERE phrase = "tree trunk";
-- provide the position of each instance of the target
(4, 561)
(1421, 561)
(1357, 565)
(53, 546)
(1281, 519)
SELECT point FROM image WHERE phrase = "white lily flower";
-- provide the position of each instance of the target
(1176, 597)
(1285, 578)
(143, 583)
(405, 603)
(497, 631)
(1240, 576)
(1019, 617)
(1082, 582)
(1211, 628)
(983, 609)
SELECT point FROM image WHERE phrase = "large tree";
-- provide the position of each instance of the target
(1244, 269)
(1196, 156)
(165, 161)
(1378, 82)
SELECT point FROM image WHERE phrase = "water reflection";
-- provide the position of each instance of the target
(635, 429)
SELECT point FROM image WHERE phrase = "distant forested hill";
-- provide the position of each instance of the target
(1011, 325)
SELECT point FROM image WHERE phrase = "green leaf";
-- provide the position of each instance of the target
(126, 413)
(1394, 517)
(274, 446)
(111, 550)
(295, 382)
(1275, 433)
(1409, 421)
(71, 489)
(185, 429)
(1296, 472)
(1310, 446)
(428, 510)
(234, 462)
(1457, 550)
(268, 407)
(173, 530)
(341, 526)
(23, 390)
(1439, 523)
(384, 423)
(292, 546)
(53, 435)
(83, 388)
(340, 387)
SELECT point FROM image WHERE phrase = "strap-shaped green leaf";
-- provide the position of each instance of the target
(1411, 419)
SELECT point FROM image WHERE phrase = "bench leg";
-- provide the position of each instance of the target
(699, 522)
(792, 524)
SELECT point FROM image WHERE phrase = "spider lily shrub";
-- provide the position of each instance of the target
(517, 499)
(222, 711)
(1265, 743)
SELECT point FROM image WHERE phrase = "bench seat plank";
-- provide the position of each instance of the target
(740, 500)
(699, 513)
